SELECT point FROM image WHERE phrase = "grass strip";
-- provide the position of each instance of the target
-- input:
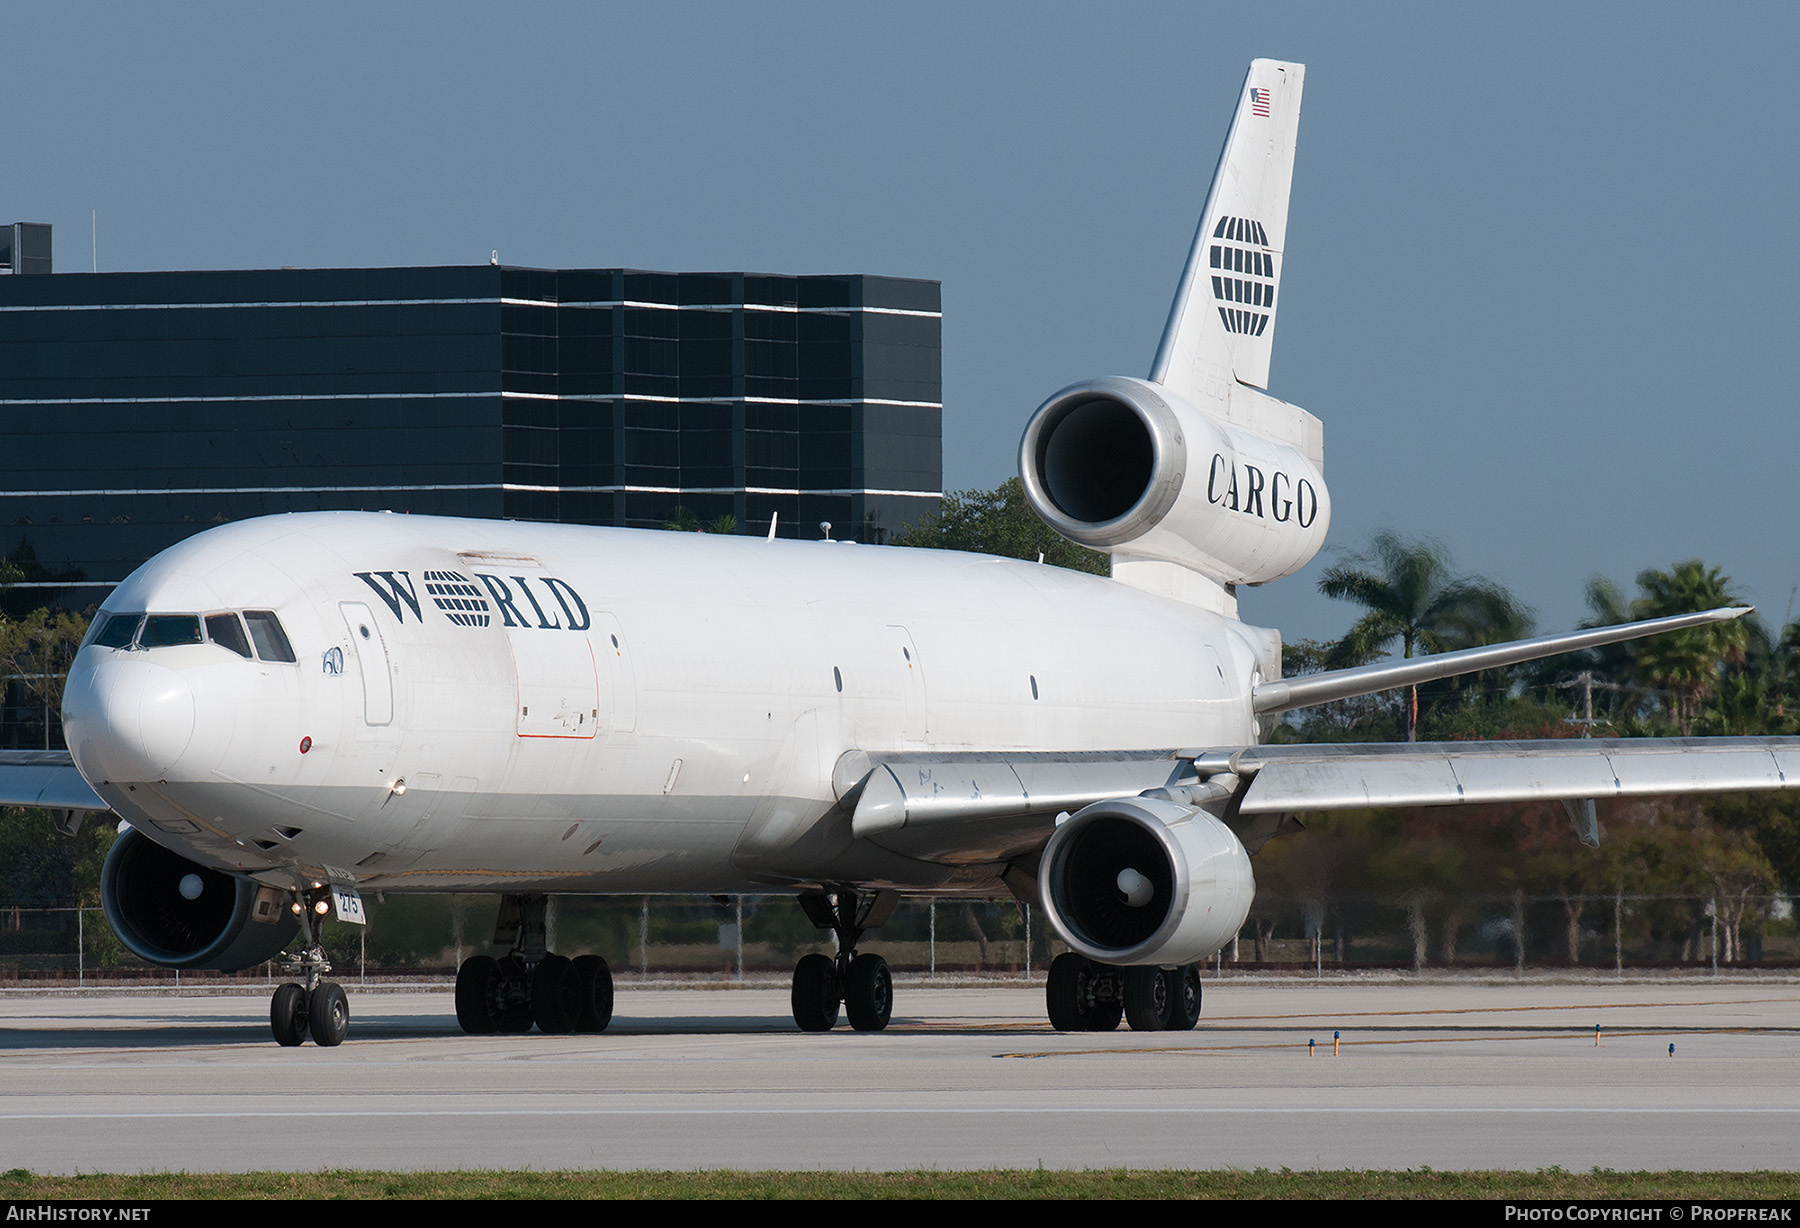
(995, 1183)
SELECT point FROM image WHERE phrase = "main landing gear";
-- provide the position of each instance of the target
(861, 984)
(315, 1006)
(1085, 996)
(529, 985)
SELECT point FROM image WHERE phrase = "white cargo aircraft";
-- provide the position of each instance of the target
(292, 711)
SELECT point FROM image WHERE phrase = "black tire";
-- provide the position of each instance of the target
(515, 995)
(1147, 999)
(287, 1015)
(593, 991)
(480, 1002)
(328, 1013)
(554, 1004)
(1106, 1016)
(1184, 997)
(869, 993)
(1069, 993)
(816, 995)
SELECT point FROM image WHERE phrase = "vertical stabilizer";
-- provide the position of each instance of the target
(1222, 325)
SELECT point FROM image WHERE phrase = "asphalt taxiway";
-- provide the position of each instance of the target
(1449, 1074)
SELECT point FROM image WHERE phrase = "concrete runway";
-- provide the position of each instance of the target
(1451, 1074)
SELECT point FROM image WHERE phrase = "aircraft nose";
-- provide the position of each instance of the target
(126, 718)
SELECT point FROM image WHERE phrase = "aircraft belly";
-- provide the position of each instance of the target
(489, 841)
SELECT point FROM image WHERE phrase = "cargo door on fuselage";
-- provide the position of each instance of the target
(558, 697)
(547, 626)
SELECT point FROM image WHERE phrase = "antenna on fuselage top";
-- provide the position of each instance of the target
(825, 528)
(773, 521)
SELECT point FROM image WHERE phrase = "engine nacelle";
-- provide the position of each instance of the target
(1144, 881)
(1129, 467)
(177, 913)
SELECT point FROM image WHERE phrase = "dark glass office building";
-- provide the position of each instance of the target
(138, 408)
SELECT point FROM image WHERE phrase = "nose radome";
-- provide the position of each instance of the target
(127, 718)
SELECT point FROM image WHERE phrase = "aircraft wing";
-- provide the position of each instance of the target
(1286, 694)
(964, 808)
(1358, 776)
(44, 778)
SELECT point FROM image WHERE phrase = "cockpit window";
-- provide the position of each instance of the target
(119, 630)
(167, 630)
(226, 631)
(271, 642)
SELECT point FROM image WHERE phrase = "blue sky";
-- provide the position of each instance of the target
(1541, 263)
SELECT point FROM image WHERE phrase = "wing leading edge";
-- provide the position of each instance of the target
(981, 807)
(44, 778)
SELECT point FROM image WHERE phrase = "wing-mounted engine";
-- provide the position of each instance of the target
(1145, 881)
(1132, 468)
(180, 914)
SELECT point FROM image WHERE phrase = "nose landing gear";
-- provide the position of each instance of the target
(315, 1006)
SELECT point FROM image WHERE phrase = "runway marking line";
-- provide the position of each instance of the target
(1209, 1050)
(1497, 1010)
(861, 1114)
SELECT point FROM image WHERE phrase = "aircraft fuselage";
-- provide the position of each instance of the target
(492, 706)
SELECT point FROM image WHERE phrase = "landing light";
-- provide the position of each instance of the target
(321, 907)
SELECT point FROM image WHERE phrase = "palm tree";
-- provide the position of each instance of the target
(1413, 597)
(1686, 664)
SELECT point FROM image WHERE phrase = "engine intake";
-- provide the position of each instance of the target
(180, 914)
(1127, 466)
(1145, 881)
(1103, 462)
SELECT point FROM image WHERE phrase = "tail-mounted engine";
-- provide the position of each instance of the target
(1127, 466)
(1145, 881)
(177, 913)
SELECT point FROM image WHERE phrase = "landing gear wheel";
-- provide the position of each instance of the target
(593, 993)
(554, 1004)
(1081, 995)
(328, 1014)
(869, 993)
(480, 1002)
(1147, 999)
(287, 1015)
(1069, 994)
(515, 995)
(816, 994)
(1106, 1016)
(1184, 997)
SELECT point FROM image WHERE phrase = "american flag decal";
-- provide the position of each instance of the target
(1259, 102)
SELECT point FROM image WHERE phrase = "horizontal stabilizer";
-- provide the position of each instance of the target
(1301, 692)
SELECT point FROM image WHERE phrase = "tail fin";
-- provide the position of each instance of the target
(1223, 322)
